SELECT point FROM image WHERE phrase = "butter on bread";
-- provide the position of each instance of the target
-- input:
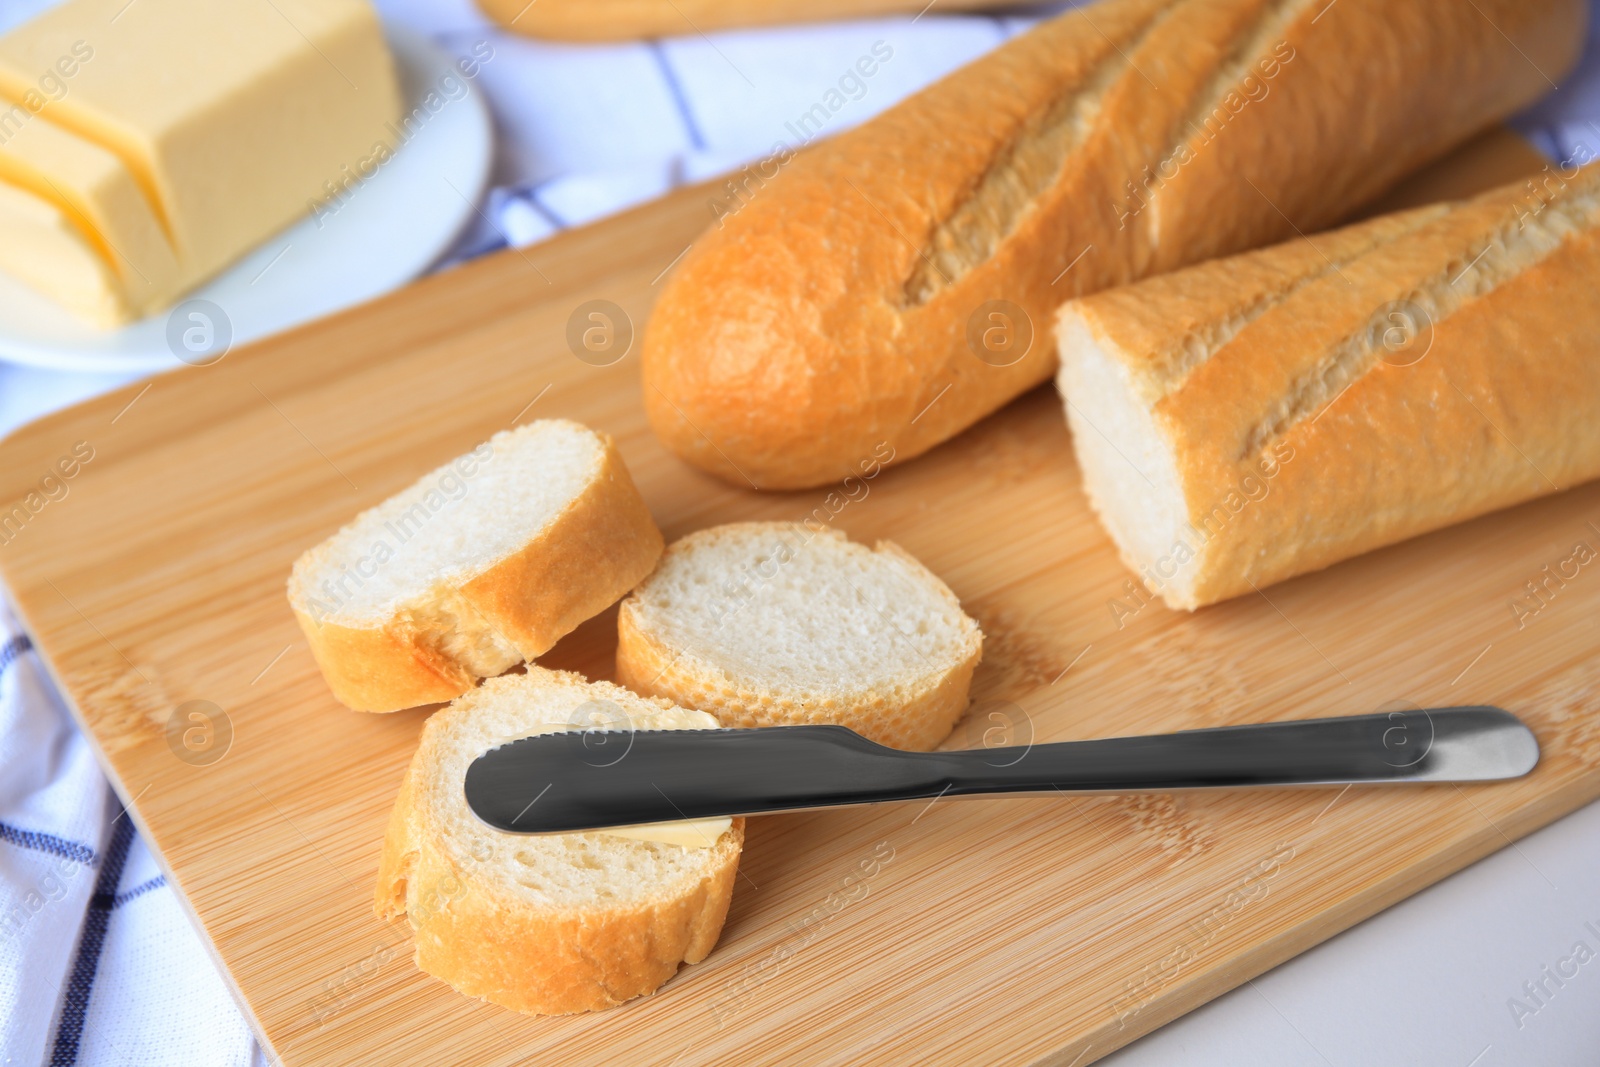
(477, 566)
(225, 121)
(1253, 418)
(544, 924)
(850, 302)
(775, 623)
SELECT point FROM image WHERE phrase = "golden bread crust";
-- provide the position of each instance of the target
(831, 313)
(1490, 401)
(489, 945)
(600, 546)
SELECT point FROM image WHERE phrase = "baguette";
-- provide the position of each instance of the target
(546, 924)
(1254, 418)
(776, 624)
(479, 565)
(625, 20)
(885, 287)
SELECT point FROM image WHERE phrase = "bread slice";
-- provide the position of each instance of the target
(546, 924)
(480, 565)
(774, 623)
(1258, 417)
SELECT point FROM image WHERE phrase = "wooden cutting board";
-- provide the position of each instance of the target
(1016, 931)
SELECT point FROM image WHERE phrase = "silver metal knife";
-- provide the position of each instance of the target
(594, 779)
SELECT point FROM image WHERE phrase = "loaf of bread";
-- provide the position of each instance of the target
(545, 924)
(1254, 418)
(477, 566)
(625, 20)
(898, 282)
(778, 623)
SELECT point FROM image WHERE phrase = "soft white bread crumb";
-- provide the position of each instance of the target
(767, 624)
(1130, 471)
(481, 564)
(546, 924)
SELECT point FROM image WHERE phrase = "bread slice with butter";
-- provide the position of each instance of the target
(774, 623)
(559, 923)
(477, 566)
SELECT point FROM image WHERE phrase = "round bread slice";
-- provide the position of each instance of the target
(480, 565)
(545, 924)
(774, 624)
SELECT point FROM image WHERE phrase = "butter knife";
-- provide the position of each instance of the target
(594, 779)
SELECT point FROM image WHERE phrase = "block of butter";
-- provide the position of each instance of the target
(170, 137)
(42, 245)
(107, 253)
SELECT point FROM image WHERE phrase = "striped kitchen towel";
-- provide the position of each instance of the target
(98, 963)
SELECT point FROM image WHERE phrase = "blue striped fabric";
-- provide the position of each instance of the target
(56, 846)
(138, 891)
(75, 1005)
(11, 650)
(80, 986)
(679, 100)
(39, 842)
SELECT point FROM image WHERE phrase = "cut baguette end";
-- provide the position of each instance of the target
(772, 623)
(481, 564)
(549, 924)
(1128, 462)
(1206, 381)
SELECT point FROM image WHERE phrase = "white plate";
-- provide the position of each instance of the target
(388, 230)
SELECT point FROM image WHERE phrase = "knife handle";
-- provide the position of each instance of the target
(1437, 745)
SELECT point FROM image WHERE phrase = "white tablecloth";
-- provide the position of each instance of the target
(98, 964)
